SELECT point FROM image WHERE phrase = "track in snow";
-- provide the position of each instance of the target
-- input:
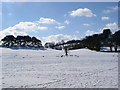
(50, 68)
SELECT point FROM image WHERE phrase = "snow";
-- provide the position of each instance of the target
(49, 68)
(108, 48)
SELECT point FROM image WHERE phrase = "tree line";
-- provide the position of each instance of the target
(20, 41)
(105, 39)
(93, 42)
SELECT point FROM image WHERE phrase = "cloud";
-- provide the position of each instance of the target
(105, 18)
(48, 21)
(90, 32)
(86, 24)
(82, 12)
(114, 8)
(59, 27)
(111, 9)
(58, 38)
(22, 28)
(112, 26)
(67, 22)
(28, 26)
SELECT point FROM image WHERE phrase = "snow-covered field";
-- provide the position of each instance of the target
(50, 68)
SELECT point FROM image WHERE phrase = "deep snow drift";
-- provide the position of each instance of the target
(50, 68)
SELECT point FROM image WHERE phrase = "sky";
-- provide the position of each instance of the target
(56, 21)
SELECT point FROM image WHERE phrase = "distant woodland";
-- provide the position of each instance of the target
(93, 42)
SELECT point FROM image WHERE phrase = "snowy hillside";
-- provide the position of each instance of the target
(51, 69)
